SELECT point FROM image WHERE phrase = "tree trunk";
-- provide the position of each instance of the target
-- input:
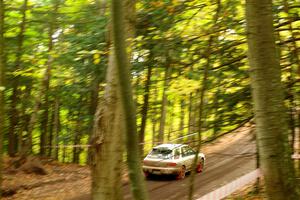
(164, 103)
(14, 113)
(204, 87)
(24, 118)
(191, 120)
(171, 120)
(270, 115)
(56, 125)
(153, 116)
(216, 128)
(144, 111)
(46, 80)
(107, 139)
(123, 76)
(77, 138)
(106, 152)
(2, 87)
(201, 118)
(296, 55)
(33, 118)
(51, 130)
(181, 124)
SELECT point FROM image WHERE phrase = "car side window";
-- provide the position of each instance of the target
(191, 151)
(187, 151)
(184, 151)
(177, 153)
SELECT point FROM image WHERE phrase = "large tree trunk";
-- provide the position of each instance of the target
(123, 74)
(270, 115)
(106, 152)
(14, 113)
(108, 135)
(107, 140)
(2, 86)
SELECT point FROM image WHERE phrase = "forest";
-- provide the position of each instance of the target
(193, 72)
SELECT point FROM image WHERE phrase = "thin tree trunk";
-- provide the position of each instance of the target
(216, 107)
(77, 137)
(190, 113)
(296, 55)
(14, 113)
(46, 80)
(191, 120)
(2, 86)
(33, 118)
(181, 124)
(144, 111)
(171, 119)
(296, 52)
(25, 118)
(51, 129)
(270, 115)
(200, 120)
(56, 125)
(153, 116)
(164, 103)
(204, 86)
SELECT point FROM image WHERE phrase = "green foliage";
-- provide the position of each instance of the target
(167, 32)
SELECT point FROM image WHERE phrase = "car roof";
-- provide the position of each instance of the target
(169, 146)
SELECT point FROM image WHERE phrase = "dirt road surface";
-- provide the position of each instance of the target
(228, 158)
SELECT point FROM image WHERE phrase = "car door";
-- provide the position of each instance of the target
(191, 157)
(187, 157)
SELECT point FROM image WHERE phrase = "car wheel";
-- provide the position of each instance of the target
(181, 174)
(200, 166)
(146, 175)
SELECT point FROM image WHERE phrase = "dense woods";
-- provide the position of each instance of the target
(189, 74)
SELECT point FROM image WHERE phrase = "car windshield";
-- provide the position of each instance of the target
(162, 153)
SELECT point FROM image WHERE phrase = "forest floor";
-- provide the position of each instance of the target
(62, 181)
(227, 159)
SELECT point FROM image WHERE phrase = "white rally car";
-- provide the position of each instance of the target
(172, 159)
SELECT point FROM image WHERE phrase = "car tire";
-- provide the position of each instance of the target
(181, 174)
(146, 175)
(200, 166)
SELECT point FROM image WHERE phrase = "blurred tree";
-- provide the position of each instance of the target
(45, 86)
(270, 115)
(14, 113)
(2, 88)
(107, 139)
(120, 11)
(169, 34)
